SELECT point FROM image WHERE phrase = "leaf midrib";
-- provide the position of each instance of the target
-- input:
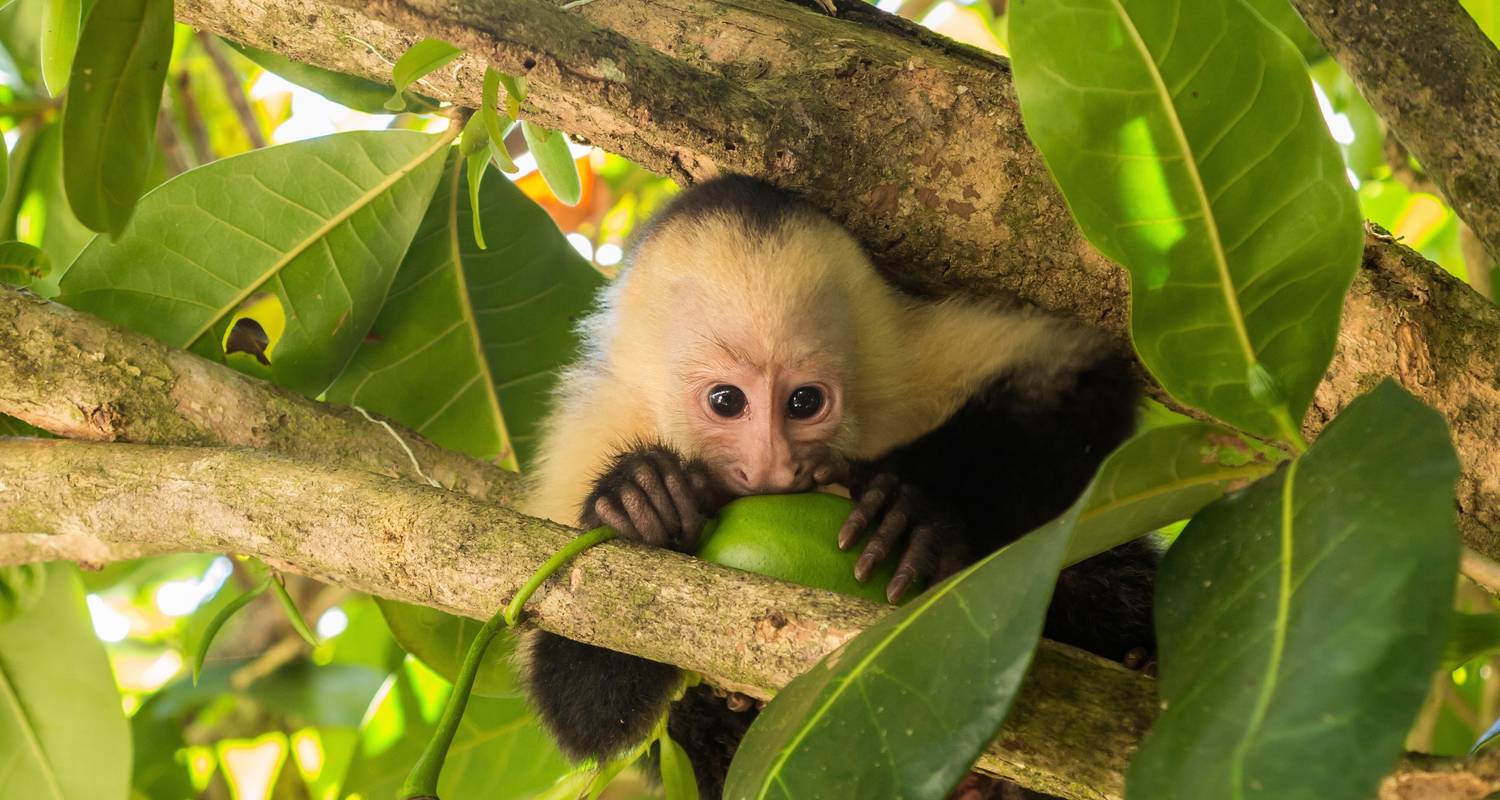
(8, 692)
(1268, 683)
(322, 232)
(466, 311)
(943, 590)
(1190, 164)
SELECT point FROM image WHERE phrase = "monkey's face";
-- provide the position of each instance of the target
(764, 428)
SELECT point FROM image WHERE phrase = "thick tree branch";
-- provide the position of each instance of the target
(1071, 733)
(1435, 78)
(915, 142)
(77, 376)
(1073, 729)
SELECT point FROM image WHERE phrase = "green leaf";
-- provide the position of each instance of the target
(468, 344)
(64, 734)
(423, 58)
(22, 263)
(515, 92)
(1160, 476)
(875, 718)
(331, 695)
(320, 225)
(1471, 636)
(477, 164)
(44, 218)
(555, 161)
(491, 117)
(360, 94)
(109, 117)
(1300, 620)
(1288, 22)
(440, 640)
(59, 41)
(206, 640)
(1187, 141)
(677, 779)
(500, 749)
(21, 586)
(292, 614)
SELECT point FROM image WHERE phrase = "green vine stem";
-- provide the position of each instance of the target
(421, 783)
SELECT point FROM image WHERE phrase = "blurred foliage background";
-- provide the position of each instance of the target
(272, 716)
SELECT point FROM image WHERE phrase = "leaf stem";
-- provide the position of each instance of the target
(573, 548)
(421, 783)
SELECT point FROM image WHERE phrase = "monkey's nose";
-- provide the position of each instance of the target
(777, 479)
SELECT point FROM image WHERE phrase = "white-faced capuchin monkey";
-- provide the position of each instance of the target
(750, 347)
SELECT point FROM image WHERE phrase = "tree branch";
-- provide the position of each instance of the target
(1071, 733)
(1434, 77)
(78, 376)
(946, 190)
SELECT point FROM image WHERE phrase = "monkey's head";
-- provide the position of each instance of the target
(753, 324)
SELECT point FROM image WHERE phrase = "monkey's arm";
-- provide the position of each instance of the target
(1012, 458)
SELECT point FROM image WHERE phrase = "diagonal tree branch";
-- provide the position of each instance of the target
(78, 376)
(913, 141)
(1071, 733)
(1434, 77)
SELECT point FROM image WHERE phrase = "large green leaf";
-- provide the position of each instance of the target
(109, 117)
(1300, 620)
(320, 226)
(442, 640)
(1187, 141)
(500, 749)
(883, 716)
(467, 347)
(63, 735)
(1161, 476)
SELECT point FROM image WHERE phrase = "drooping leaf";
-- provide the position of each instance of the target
(21, 586)
(677, 779)
(1161, 476)
(293, 615)
(320, 224)
(60, 22)
(1187, 141)
(555, 161)
(440, 640)
(64, 735)
(491, 117)
(421, 59)
(223, 615)
(350, 91)
(500, 749)
(1299, 621)
(109, 116)
(515, 92)
(876, 719)
(466, 349)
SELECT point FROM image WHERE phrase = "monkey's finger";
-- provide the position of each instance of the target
(643, 516)
(610, 513)
(834, 470)
(917, 562)
(688, 507)
(866, 509)
(647, 479)
(883, 542)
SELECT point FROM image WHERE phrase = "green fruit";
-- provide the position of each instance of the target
(793, 537)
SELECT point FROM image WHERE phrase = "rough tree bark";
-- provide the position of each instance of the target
(1074, 726)
(1425, 65)
(946, 190)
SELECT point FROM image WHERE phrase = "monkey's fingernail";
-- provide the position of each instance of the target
(847, 535)
(897, 588)
(863, 566)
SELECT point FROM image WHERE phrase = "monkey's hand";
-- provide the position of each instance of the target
(895, 515)
(651, 494)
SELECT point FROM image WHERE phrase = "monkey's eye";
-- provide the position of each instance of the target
(805, 402)
(726, 401)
